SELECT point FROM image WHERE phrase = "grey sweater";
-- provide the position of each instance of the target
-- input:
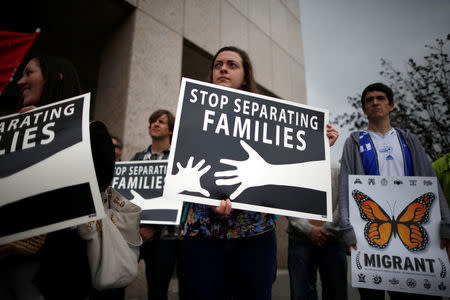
(351, 163)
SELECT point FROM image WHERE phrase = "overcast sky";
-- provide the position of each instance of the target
(344, 41)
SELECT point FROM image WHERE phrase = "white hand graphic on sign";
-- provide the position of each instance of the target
(255, 171)
(154, 203)
(188, 178)
(248, 172)
(138, 199)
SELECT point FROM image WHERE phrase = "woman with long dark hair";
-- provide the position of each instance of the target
(58, 267)
(47, 79)
(229, 253)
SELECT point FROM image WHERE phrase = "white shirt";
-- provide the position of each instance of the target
(389, 153)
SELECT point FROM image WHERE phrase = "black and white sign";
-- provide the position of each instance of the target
(47, 175)
(142, 182)
(396, 222)
(265, 154)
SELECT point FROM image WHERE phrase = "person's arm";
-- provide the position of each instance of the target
(6, 251)
(347, 165)
(147, 232)
(332, 134)
(26, 108)
(316, 234)
(438, 168)
(333, 225)
(224, 209)
(426, 169)
(444, 227)
(301, 225)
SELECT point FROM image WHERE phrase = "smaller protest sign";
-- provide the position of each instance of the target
(265, 154)
(47, 174)
(142, 182)
(396, 222)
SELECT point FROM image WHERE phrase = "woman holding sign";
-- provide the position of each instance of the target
(229, 253)
(53, 265)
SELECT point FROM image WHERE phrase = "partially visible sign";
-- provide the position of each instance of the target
(265, 154)
(142, 182)
(396, 222)
(47, 175)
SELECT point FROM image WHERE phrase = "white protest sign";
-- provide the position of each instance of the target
(396, 222)
(265, 154)
(47, 175)
(142, 182)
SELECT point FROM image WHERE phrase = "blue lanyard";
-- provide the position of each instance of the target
(370, 159)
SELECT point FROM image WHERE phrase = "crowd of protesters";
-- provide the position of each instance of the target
(236, 259)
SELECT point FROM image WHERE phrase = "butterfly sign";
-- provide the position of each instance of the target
(396, 222)
(407, 226)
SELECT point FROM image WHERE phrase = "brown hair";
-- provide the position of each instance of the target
(250, 85)
(158, 113)
(378, 87)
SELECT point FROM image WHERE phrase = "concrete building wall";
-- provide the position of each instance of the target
(140, 68)
(113, 82)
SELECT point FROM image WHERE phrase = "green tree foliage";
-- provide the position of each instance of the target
(421, 97)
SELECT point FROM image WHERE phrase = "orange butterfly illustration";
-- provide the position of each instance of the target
(407, 225)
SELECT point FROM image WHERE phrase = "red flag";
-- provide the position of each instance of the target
(13, 47)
